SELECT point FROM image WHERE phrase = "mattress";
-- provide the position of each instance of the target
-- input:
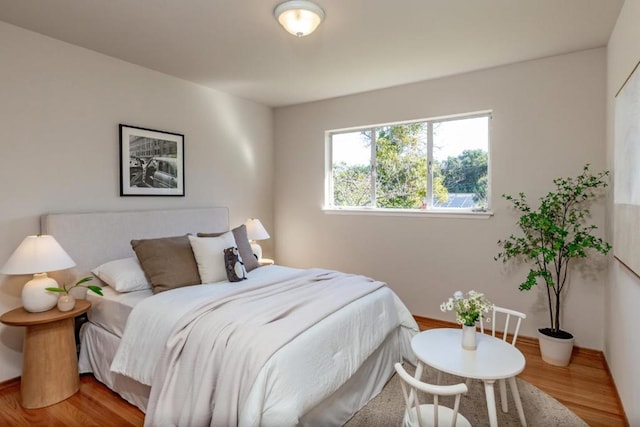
(111, 311)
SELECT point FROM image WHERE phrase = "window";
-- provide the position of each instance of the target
(440, 164)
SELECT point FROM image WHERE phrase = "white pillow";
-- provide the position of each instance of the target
(123, 275)
(209, 254)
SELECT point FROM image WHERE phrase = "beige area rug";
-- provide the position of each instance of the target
(540, 409)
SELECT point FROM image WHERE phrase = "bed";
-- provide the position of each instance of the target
(178, 357)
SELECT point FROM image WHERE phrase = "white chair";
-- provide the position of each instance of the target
(517, 318)
(422, 415)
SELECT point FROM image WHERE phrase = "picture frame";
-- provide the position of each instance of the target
(151, 162)
(626, 199)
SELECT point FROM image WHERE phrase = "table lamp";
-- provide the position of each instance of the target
(38, 255)
(256, 231)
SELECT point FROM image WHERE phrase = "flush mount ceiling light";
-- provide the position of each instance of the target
(299, 17)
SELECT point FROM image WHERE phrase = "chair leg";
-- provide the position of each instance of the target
(418, 373)
(503, 395)
(516, 398)
(468, 383)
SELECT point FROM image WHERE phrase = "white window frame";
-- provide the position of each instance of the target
(329, 208)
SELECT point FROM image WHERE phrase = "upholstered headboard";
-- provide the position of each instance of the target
(92, 239)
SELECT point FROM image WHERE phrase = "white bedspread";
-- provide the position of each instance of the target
(318, 361)
(152, 320)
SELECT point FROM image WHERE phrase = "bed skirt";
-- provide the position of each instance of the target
(97, 349)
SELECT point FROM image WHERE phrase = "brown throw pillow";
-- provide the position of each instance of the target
(244, 247)
(168, 262)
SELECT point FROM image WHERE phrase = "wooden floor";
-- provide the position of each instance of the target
(93, 406)
(585, 387)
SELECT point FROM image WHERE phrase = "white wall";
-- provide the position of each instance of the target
(548, 121)
(622, 346)
(60, 106)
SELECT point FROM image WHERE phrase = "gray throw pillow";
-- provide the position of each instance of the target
(244, 247)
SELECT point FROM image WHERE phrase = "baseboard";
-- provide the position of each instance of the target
(522, 339)
(12, 382)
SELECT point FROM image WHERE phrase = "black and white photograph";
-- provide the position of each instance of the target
(151, 162)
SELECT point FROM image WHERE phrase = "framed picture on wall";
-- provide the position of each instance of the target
(151, 162)
(626, 198)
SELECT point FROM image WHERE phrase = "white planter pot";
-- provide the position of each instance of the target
(555, 351)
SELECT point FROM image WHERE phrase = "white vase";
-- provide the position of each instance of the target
(66, 303)
(469, 337)
(35, 297)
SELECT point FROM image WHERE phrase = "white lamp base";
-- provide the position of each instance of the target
(34, 296)
(257, 250)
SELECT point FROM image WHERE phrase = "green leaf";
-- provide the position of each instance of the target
(96, 289)
(84, 280)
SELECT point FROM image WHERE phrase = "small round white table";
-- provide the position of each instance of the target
(493, 360)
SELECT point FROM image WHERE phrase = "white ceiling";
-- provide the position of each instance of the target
(238, 47)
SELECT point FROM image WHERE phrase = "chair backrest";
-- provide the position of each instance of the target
(509, 316)
(419, 414)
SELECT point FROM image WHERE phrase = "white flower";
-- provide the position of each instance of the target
(468, 309)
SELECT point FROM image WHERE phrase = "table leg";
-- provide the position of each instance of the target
(503, 395)
(50, 368)
(516, 398)
(491, 402)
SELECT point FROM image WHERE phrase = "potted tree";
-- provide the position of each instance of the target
(553, 235)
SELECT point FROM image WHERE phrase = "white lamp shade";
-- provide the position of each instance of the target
(255, 230)
(38, 254)
(299, 17)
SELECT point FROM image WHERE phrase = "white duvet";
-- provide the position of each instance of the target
(317, 361)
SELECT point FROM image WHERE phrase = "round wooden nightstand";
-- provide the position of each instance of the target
(50, 364)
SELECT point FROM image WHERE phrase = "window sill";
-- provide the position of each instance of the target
(433, 213)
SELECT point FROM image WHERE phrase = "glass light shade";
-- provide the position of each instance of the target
(299, 17)
(255, 230)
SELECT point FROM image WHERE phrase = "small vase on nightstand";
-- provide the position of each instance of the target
(66, 302)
